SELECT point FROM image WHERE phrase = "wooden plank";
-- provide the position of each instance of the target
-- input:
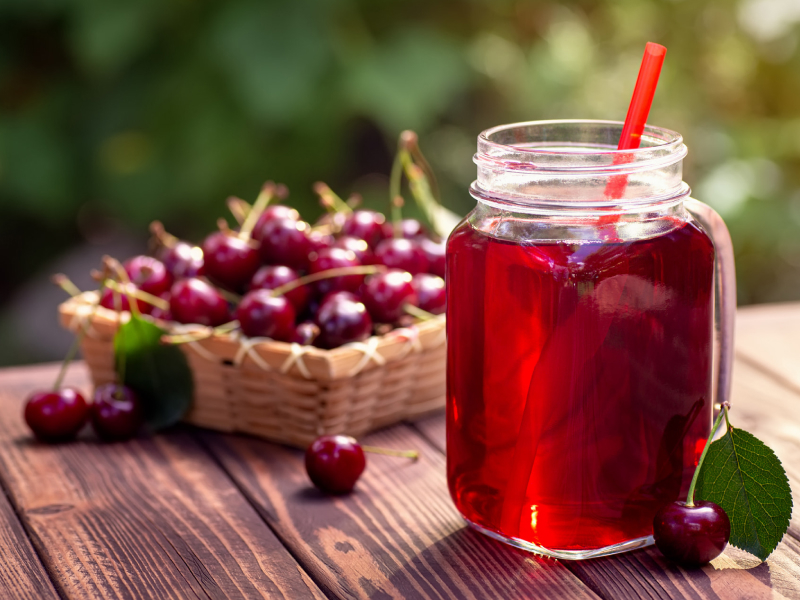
(22, 574)
(768, 336)
(150, 518)
(768, 410)
(396, 536)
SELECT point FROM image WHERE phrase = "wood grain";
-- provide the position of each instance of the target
(22, 574)
(769, 411)
(397, 536)
(150, 518)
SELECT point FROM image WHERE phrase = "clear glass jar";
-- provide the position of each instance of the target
(581, 326)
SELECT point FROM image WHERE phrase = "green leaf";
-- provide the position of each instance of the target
(743, 476)
(157, 372)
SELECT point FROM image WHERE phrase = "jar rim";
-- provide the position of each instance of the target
(671, 139)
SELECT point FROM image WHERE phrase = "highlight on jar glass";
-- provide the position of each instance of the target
(581, 333)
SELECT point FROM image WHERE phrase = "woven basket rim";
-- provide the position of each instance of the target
(303, 362)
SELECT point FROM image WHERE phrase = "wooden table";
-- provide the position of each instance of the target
(196, 514)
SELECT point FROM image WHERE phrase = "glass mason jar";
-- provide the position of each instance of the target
(581, 335)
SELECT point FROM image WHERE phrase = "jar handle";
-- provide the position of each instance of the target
(725, 294)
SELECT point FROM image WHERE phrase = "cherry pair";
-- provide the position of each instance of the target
(58, 415)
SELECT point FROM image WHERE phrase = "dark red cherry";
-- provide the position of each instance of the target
(339, 295)
(116, 412)
(56, 416)
(334, 463)
(274, 276)
(275, 211)
(430, 291)
(435, 253)
(148, 274)
(165, 314)
(342, 320)
(230, 261)
(114, 301)
(305, 333)
(386, 294)
(402, 254)
(691, 535)
(409, 229)
(358, 247)
(335, 258)
(195, 301)
(183, 260)
(319, 241)
(260, 314)
(121, 301)
(366, 225)
(285, 242)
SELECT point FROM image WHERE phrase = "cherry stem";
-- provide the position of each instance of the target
(420, 159)
(229, 296)
(420, 188)
(65, 283)
(723, 412)
(412, 454)
(327, 274)
(167, 240)
(397, 216)
(137, 294)
(73, 349)
(330, 200)
(264, 198)
(416, 311)
(239, 208)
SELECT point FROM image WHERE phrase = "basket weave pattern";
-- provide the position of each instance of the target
(286, 392)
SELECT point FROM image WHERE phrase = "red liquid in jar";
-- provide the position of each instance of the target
(579, 382)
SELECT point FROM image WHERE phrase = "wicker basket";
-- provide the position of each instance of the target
(286, 392)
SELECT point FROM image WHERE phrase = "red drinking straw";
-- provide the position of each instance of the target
(642, 96)
(637, 117)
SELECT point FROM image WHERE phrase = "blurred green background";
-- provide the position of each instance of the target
(115, 113)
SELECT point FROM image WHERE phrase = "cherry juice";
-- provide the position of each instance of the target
(579, 382)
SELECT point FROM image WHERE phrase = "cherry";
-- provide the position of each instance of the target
(183, 260)
(56, 415)
(358, 247)
(305, 333)
(284, 242)
(430, 291)
(195, 301)
(148, 274)
(271, 277)
(339, 295)
(122, 301)
(229, 260)
(341, 320)
(409, 229)
(276, 211)
(319, 241)
(366, 225)
(334, 258)
(116, 300)
(334, 463)
(403, 254)
(435, 253)
(165, 314)
(116, 412)
(691, 535)
(260, 314)
(386, 294)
